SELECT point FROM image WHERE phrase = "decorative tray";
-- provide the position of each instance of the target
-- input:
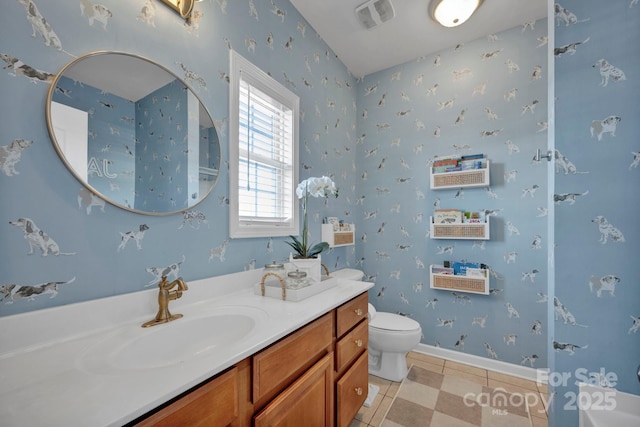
(273, 289)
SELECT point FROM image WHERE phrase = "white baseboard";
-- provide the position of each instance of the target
(524, 372)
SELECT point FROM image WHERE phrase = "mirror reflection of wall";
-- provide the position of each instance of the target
(163, 139)
(209, 153)
(138, 151)
(154, 149)
(71, 128)
(110, 131)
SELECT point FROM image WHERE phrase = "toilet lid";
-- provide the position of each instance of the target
(393, 322)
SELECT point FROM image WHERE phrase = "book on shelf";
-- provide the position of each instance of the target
(475, 272)
(468, 269)
(455, 163)
(447, 216)
(444, 164)
(438, 269)
(460, 268)
(439, 169)
(470, 164)
(474, 217)
(474, 221)
(472, 157)
(447, 161)
(446, 157)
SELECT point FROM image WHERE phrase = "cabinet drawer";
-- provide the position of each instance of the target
(277, 366)
(350, 313)
(351, 345)
(351, 390)
(307, 402)
(214, 404)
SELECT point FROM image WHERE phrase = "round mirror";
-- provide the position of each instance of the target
(133, 133)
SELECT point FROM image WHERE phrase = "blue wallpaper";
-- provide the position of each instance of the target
(488, 96)
(109, 169)
(162, 150)
(597, 310)
(86, 249)
(376, 137)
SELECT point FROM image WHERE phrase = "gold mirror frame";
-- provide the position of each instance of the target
(149, 71)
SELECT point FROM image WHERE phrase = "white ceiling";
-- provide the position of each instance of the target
(411, 33)
(124, 75)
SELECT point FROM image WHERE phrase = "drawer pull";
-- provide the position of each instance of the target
(358, 343)
(358, 311)
(358, 391)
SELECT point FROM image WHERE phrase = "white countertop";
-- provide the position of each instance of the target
(49, 374)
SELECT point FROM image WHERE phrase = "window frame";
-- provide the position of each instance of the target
(241, 68)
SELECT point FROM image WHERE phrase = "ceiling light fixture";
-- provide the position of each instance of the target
(451, 13)
(183, 7)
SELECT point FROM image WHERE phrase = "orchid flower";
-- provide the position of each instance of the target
(315, 187)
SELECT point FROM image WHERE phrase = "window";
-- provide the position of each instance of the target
(263, 153)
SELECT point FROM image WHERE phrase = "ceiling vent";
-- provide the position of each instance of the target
(374, 12)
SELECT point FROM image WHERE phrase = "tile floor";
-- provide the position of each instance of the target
(373, 416)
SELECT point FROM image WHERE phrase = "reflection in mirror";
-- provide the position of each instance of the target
(133, 133)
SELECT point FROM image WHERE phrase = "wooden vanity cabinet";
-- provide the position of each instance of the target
(317, 376)
(333, 389)
(352, 358)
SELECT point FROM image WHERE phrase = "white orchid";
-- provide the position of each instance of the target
(314, 187)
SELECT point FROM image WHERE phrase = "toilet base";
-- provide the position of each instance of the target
(388, 365)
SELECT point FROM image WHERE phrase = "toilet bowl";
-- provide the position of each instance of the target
(391, 337)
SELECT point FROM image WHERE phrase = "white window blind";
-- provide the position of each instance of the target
(264, 173)
(265, 157)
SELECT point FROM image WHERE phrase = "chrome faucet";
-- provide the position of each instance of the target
(165, 295)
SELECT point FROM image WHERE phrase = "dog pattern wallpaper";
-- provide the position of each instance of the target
(597, 237)
(376, 137)
(128, 252)
(486, 96)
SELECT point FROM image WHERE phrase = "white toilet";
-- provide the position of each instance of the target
(391, 337)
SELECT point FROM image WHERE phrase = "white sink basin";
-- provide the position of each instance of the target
(191, 337)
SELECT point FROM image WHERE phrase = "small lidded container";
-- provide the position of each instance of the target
(297, 280)
(277, 269)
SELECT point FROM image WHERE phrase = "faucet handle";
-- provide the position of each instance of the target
(182, 285)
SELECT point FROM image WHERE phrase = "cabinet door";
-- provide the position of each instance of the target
(307, 402)
(214, 404)
(351, 390)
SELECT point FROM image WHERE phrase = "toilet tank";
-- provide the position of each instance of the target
(348, 274)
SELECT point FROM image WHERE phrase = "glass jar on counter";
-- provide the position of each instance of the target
(297, 280)
(274, 273)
